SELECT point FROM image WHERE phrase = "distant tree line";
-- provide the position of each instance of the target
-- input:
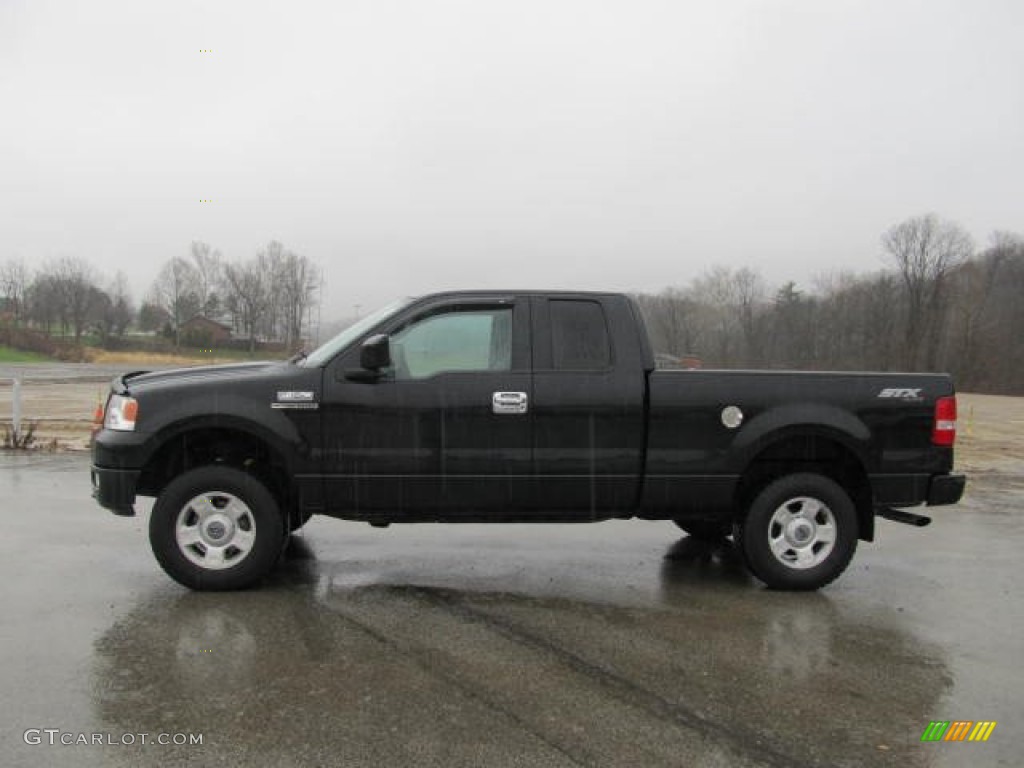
(68, 296)
(939, 305)
(269, 297)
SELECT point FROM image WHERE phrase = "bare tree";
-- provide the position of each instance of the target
(124, 308)
(42, 302)
(750, 290)
(113, 310)
(792, 328)
(718, 314)
(100, 315)
(174, 291)
(209, 269)
(924, 249)
(14, 285)
(672, 321)
(971, 289)
(272, 260)
(298, 278)
(988, 318)
(271, 294)
(248, 286)
(878, 313)
(152, 317)
(74, 282)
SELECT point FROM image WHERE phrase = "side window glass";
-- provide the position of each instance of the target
(579, 336)
(465, 340)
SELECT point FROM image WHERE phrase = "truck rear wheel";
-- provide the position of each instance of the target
(799, 533)
(216, 528)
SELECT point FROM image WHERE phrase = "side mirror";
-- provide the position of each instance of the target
(375, 352)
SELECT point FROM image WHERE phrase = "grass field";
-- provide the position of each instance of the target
(9, 355)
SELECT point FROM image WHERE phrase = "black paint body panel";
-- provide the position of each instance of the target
(621, 440)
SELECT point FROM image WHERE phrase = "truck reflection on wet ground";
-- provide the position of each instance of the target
(398, 664)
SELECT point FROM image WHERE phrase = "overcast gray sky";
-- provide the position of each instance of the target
(413, 146)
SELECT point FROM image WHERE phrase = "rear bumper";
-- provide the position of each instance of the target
(114, 489)
(946, 489)
(911, 490)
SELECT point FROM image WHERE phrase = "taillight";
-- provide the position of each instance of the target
(944, 429)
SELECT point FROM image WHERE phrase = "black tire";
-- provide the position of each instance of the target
(704, 530)
(297, 520)
(211, 505)
(800, 532)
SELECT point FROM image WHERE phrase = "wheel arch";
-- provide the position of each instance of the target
(231, 442)
(814, 449)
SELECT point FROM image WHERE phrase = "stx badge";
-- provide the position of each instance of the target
(900, 393)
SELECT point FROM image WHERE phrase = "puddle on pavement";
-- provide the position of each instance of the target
(392, 659)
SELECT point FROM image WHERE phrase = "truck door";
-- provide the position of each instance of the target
(446, 432)
(588, 406)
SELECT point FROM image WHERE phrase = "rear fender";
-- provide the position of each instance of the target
(813, 419)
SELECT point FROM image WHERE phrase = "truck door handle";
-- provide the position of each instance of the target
(509, 402)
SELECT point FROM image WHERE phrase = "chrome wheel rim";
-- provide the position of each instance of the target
(802, 532)
(215, 530)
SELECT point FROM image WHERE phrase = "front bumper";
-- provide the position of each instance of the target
(114, 489)
(946, 489)
(117, 461)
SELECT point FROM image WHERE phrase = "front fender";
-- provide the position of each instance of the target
(189, 414)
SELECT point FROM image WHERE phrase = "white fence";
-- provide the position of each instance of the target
(16, 410)
(51, 400)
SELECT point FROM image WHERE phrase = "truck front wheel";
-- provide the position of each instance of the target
(216, 528)
(799, 533)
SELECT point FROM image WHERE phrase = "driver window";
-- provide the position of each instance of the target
(456, 340)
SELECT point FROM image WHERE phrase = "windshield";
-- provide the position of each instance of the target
(325, 352)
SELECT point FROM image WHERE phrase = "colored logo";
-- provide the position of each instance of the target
(958, 730)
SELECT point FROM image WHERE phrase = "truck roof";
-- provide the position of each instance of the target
(521, 292)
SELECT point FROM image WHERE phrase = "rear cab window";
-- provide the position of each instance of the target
(579, 336)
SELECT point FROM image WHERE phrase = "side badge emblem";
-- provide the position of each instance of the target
(295, 401)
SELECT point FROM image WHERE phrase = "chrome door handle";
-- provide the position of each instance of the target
(509, 402)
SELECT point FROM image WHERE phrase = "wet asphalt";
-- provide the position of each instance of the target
(616, 644)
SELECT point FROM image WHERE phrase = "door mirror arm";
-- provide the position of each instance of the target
(363, 376)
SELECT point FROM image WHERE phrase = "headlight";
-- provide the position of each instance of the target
(121, 413)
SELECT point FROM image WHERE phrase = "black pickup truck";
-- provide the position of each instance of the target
(519, 406)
